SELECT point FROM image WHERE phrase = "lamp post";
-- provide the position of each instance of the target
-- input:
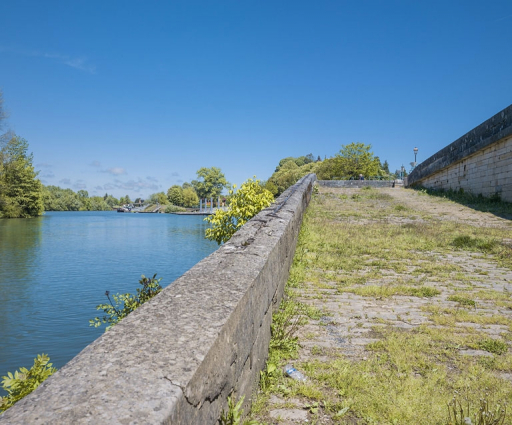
(415, 153)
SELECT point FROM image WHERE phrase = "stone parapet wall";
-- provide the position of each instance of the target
(488, 172)
(356, 183)
(177, 358)
(479, 162)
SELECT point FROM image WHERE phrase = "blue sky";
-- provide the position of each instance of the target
(131, 97)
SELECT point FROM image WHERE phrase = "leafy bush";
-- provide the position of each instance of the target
(248, 201)
(25, 381)
(124, 304)
(174, 208)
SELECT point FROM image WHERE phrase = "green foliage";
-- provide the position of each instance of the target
(159, 198)
(285, 323)
(471, 243)
(58, 199)
(190, 198)
(234, 414)
(124, 304)
(245, 203)
(175, 195)
(174, 208)
(288, 172)
(22, 383)
(385, 167)
(478, 202)
(299, 161)
(124, 200)
(495, 346)
(284, 343)
(459, 413)
(210, 182)
(21, 193)
(462, 300)
(351, 161)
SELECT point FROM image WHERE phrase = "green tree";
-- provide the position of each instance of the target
(288, 173)
(85, 201)
(190, 198)
(21, 193)
(58, 199)
(351, 161)
(111, 201)
(385, 167)
(97, 203)
(175, 195)
(245, 203)
(210, 182)
(123, 200)
(158, 198)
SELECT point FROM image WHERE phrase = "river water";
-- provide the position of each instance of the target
(55, 269)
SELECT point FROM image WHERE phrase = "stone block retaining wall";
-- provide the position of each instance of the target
(355, 183)
(479, 162)
(177, 358)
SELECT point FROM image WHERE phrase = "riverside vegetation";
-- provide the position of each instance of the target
(24, 381)
(244, 204)
(412, 314)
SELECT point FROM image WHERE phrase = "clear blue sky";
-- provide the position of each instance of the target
(131, 97)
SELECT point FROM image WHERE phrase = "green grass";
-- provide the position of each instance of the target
(463, 301)
(408, 376)
(491, 204)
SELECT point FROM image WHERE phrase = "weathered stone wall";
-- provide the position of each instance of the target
(176, 359)
(355, 183)
(479, 162)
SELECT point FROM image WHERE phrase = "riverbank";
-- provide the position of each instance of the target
(55, 269)
(415, 308)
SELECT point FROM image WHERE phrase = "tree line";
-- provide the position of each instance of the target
(23, 195)
(351, 162)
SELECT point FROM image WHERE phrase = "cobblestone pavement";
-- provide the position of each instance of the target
(350, 322)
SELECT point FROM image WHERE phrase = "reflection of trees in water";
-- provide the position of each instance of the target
(19, 242)
(195, 226)
(19, 246)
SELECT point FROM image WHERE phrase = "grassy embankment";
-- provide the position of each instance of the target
(433, 302)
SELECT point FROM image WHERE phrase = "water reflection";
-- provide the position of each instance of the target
(54, 270)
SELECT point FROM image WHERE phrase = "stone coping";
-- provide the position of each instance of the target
(491, 131)
(356, 183)
(178, 357)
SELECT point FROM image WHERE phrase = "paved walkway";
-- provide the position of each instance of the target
(458, 253)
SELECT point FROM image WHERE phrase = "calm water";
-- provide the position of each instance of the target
(55, 269)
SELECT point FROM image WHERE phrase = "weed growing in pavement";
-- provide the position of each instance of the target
(372, 245)
(491, 204)
(463, 301)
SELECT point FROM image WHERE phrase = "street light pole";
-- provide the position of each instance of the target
(415, 153)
